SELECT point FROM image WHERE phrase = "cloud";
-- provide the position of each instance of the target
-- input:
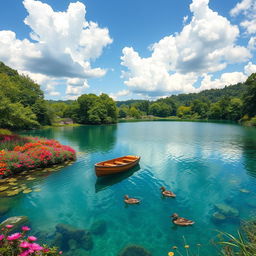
(241, 7)
(121, 93)
(206, 45)
(224, 80)
(250, 68)
(76, 87)
(61, 44)
(248, 9)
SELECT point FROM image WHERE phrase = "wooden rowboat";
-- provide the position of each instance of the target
(116, 165)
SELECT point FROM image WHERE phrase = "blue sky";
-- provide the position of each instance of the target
(129, 49)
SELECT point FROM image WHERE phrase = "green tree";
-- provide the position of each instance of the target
(236, 109)
(215, 111)
(249, 97)
(184, 111)
(200, 108)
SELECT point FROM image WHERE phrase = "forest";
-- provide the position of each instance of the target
(23, 105)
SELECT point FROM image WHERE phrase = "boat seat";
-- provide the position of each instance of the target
(128, 160)
(118, 162)
(108, 164)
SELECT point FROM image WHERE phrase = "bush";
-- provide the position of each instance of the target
(25, 153)
(5, 132)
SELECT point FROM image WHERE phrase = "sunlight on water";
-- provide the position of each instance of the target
(210, 167)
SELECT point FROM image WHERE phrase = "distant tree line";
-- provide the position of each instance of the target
(23, 105)
(236, 102)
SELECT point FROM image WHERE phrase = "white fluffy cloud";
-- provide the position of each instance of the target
(76, 87)
(250, 68)
(62, 46)
(248, 9)
(207, 44)
(121, 93)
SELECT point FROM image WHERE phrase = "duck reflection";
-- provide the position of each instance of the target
(107, 181)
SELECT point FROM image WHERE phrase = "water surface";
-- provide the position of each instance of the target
(203, 163)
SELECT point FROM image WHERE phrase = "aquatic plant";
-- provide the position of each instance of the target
(25, 153)
(244, 244)
(19, 244)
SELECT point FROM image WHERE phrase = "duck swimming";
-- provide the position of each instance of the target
(128, 200)
(181, 221)
(167, 193)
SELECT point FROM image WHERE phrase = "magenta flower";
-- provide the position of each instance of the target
(60, 252)
(35, 247)
(14, 236)
(25, 228)
(9, 226)
(32, 238)
(1, 237)
(24, 244)
(25, 253)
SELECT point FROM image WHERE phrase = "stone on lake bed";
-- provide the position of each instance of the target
(134, 250)
(31, 178)
(218, 217)
(227, 210)
(13, 183)
(17, 222)
(12, 180)
(13, 193)
(242, 190)
(3, 188)
(251, 201)
(37, 190)
(26, 191)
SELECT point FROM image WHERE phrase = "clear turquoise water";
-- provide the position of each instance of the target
(203, 163)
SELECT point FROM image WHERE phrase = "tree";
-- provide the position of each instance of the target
(200, 108)
(215, 111)
(183, 111)
(236, 108)
(249, 97)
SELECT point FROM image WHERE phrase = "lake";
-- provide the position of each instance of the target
(211, 167)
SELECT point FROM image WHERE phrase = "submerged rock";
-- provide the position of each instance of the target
(218, 217)
(134, 250)
(17, 222)
(99, 227)
(68, 237)
(227, 210)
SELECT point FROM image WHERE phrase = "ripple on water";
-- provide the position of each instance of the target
(204, 164)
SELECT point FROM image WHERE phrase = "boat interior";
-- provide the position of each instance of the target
(120, 161)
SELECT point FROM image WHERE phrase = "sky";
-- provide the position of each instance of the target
(129, 49)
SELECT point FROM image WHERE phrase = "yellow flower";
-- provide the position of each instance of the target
(170, 253)
(186, 246)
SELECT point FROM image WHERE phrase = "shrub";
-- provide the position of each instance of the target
(25, 153)
(5, 132)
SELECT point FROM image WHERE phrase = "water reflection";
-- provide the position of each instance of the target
(89, 138)
(108, 181)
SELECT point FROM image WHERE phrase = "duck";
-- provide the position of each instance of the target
(128, 200)
(167, 193)
(181, 221)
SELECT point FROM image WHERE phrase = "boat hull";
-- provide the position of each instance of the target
(105, 168)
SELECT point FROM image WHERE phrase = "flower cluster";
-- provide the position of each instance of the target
(33, 153)
(18, 244)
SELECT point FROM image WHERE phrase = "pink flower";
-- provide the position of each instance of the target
(14, 236)
(24, 244)
(60, 252)
(25, 228)
(25, 253)
(9, 226)
(35, 247)
(1, 237)
(32, 238)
